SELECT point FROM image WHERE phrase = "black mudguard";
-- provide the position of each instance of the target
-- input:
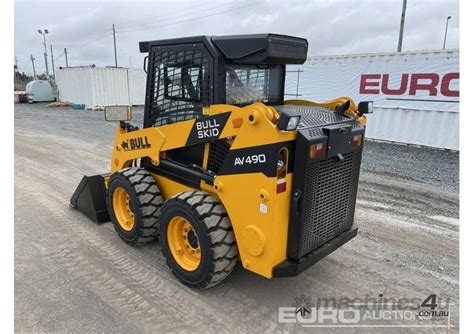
(90, 198)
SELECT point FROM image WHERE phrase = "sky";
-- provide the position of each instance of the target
(331, 27)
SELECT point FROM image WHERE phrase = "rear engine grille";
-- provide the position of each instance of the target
(313, 116)
(328, 200)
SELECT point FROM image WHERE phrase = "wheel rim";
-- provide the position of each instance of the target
(122, 209)
(184, 243)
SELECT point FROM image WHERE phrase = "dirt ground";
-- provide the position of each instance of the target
(74, 275)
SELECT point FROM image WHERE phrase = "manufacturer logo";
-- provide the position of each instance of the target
(135, 144)
(206, 129)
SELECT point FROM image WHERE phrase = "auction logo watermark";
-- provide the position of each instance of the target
(380, 311)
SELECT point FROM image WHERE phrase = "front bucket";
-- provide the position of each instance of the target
(89, 198)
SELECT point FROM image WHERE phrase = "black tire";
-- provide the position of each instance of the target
(145, 203)
(214, 231)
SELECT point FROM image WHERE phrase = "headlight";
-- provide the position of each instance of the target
(288, 122)
(366, 107)
(293, 123)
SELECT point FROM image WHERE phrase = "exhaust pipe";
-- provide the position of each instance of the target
(89, 198)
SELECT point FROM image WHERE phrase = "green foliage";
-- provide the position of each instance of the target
(23, 77)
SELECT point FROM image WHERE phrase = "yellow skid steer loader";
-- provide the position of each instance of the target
(224, 168)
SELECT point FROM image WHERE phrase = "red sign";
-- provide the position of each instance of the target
(409, 83)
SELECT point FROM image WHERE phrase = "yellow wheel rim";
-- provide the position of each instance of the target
(184, 243)
(122, 210)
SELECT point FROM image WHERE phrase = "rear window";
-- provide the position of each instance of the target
(255, 83)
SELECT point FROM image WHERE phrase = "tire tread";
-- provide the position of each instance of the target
(219, 230)
(150, 200)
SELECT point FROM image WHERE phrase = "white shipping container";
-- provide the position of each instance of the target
(96, 86)
(416, 94)
(137, 86)
(432, 128)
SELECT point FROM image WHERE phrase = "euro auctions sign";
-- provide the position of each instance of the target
(417, 87)
(427, 80)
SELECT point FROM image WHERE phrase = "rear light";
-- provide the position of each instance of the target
(281, 185)
(356, 140)
(317, 150)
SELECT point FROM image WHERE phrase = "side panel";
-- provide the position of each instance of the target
(168, 187)
(260, 224)
(246, 184)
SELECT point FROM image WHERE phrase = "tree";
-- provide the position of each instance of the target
(23, 77)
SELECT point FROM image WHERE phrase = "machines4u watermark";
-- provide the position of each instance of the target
(368, 311)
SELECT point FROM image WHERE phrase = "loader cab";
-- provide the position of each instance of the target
(187, 75)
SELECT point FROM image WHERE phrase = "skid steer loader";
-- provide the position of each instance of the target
(224, 168)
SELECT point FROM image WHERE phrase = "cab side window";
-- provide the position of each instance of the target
(180, 86)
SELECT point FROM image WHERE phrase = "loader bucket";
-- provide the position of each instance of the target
(89, 198)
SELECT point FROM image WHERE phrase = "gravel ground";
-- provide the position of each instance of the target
(73, 275)
(438, 168)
